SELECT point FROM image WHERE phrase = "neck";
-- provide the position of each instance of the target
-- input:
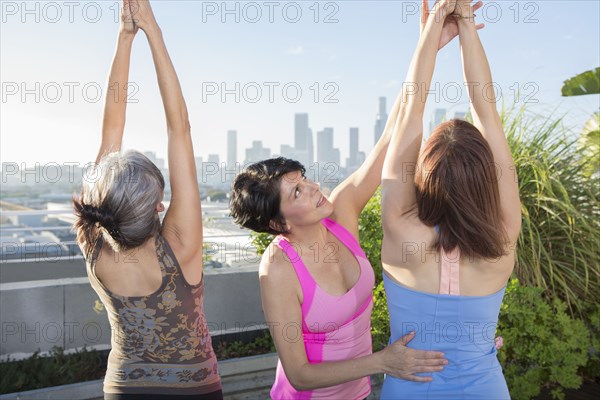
(308, 235)
(147, 247)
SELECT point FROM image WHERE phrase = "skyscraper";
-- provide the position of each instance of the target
(257, 152)
(328, 157)
(231, 148)
(352, 160)
(310, 148)
(213, 159)
(380, 119)
(300, 131)
(288, 151)
(159, 162)
(439, 115)
(303, 141)
(460, 115)
(325, 145)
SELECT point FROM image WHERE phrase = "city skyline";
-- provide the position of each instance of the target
(253, 77)
(304, 137)
(326, 152)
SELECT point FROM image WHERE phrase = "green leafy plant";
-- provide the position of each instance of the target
(589, 146)
(587, 82)
(371, 234)
(558, 246)
(56, 369)
(543, 345)
(589, 143)
(380, 319)
(591, 371)
(261, 241)
(261, 345)
(59, 368)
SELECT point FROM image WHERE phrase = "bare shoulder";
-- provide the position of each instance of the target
(407, 241)
(275, 265)
(276, 273)
(402, 227)
(347, 221)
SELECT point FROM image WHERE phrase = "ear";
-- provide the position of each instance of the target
(160, 207)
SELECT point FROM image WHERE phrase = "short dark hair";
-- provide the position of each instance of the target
(255, 200)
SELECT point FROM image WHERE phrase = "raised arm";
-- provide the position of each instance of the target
(281, 299)
(115, 103)
(182, 225)
(398, 189)
(478, 79)
(351, 196)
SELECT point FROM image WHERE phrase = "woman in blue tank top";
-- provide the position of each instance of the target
(451, 218)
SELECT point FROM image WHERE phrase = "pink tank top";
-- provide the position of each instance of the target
(449, 278)
(334, 328)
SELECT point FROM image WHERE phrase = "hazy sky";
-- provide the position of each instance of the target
(55, 58)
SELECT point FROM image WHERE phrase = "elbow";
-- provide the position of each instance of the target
(300, 385)
(299, 381)
(182, 128)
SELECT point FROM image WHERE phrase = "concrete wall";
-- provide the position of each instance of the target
(41, 267)
(38, 315)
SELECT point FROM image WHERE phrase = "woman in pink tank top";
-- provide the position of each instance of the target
(316, 282)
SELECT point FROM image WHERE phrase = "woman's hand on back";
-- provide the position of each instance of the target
(403, 362)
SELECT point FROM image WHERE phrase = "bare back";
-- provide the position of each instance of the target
(137, 272)
(408, 257)
(130, 273)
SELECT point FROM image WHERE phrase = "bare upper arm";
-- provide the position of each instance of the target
(182, 224)
(281, 296)
(398, 179)
(351, 196)
(343, 198)
(508, 184)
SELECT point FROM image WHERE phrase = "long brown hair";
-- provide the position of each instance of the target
(457, 190)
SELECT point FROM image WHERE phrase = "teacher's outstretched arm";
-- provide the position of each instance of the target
(182, 225)
(478, 78)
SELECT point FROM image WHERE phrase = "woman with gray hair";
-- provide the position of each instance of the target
(148, 276)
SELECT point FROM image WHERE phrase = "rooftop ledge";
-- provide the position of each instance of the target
(38, 315)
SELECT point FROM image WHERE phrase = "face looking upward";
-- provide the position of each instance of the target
(302, 202)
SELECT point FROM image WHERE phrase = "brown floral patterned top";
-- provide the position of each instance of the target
(160, 342)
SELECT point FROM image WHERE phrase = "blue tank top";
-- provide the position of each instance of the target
(462, 327)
